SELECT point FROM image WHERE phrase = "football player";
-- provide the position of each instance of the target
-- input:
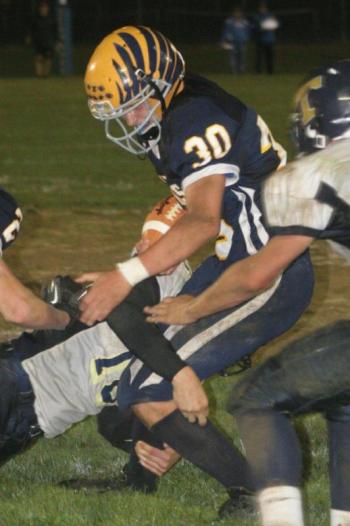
(53, 379)
(214, 152)
(312, 373)
(18, 304)
(309, 199)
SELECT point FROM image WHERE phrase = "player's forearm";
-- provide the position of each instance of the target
(31, 312)
(47, 317)
(249, 277)
(232, 288)
(143, 340)
(20, 306)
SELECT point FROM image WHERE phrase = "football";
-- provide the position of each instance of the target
(161, 218)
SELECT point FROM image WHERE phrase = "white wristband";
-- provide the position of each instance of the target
(133, 270)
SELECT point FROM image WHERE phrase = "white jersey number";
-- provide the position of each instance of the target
(214, 145)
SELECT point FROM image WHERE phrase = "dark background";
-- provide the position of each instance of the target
(198, 21)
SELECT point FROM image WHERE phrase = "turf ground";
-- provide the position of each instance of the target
(84, 202)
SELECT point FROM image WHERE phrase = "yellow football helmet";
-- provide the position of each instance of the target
(133, 66)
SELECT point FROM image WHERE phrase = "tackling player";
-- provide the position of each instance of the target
(214, 152)
(312, 374)
(18, 304)
(309, 199)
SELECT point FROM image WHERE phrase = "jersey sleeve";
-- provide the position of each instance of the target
(205, 140)
(291, 206)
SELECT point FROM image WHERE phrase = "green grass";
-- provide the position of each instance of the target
(83, 202)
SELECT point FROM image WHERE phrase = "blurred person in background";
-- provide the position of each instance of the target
(43, 36)
(234, 38)
(265, 25)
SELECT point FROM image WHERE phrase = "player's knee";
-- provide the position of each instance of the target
(244, 399)
(261, 389)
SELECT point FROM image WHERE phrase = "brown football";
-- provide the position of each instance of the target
(161, 218)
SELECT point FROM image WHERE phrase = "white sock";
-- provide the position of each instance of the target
(340, 518)
(281, 506)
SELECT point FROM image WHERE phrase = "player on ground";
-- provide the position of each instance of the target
(53, 379)
(18, 304)
(214, 152)
(307, 200)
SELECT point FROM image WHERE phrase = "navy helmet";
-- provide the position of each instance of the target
(322, 107)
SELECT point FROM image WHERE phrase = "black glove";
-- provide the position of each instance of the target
(64, 293)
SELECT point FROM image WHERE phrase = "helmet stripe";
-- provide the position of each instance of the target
(122, 78)
(174, 61)
(126, 71)
(120, 93)
(164, 57)
(153, 49)
(135, 49)
(145, 51)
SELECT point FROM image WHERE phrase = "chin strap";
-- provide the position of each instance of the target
(157, 92)
(147, 79)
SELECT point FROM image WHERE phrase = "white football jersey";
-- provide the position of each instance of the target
(311, 196)
(79, 376)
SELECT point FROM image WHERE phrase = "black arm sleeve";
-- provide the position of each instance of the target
(143, 339)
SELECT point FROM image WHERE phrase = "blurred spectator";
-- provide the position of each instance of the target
(234, 38)
(43, 36)
(265, 25)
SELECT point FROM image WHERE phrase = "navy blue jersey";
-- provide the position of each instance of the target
(205, 132)
(208, 132)
(10, 219)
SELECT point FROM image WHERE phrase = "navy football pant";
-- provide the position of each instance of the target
(310, 374)
(220, 340)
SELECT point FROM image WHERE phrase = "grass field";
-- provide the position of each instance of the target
(83, 203)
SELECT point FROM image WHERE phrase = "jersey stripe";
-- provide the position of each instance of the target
(231, 171)
(232, 319)
(257, 215)
(245, 224)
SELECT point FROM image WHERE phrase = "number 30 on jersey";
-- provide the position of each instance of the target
(215, 144)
